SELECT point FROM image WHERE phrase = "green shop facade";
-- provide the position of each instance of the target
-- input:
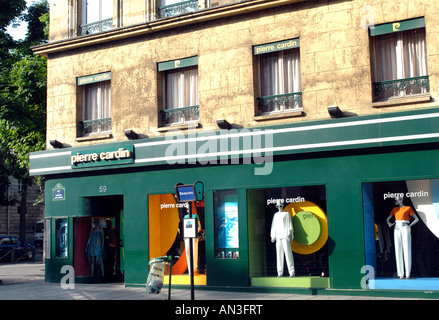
(111, 208)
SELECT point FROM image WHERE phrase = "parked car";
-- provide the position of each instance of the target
(39, 233)
(13, 249)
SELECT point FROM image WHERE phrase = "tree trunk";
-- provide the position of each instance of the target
(22, 210)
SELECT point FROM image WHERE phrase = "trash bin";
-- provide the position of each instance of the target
(154, 283)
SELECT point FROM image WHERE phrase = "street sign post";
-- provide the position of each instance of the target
(190, 193)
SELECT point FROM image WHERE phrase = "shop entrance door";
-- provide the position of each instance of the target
(98, 240)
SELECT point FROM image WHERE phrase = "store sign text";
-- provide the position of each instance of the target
(94, 78)
(173, 205)
(277, 46)
(394, 195)
(101, 157)
(287, 200)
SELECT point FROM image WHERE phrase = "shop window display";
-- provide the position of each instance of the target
(226, 224)
(62, 239)
(166, 232)
(402, 229)
(288, 232)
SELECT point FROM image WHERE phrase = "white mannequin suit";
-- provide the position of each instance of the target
(282, 233)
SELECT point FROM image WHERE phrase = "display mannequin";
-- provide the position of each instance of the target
(282, 233)
(194, 245)
(402, 236)
(95, 248)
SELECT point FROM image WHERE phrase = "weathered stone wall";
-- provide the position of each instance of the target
(335, 64)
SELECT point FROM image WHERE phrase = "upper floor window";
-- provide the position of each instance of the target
(279, 76)
(399, 59)
(96, 104)
(97, 16)
(171, 8)
(179, 91)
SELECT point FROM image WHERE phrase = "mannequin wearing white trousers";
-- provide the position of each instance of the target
(282, 233)
(402, 236)
(195, 246)
(188, 252)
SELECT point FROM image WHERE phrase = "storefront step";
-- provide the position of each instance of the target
(294, 282)
(407, 284)
(185, 279)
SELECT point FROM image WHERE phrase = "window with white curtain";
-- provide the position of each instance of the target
(280, 82)
(97, 16)
(399, 64)
(181, 88)
(96, 108)
(180, 94)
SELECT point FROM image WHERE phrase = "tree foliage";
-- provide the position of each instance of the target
(11, 11)
(22, 91)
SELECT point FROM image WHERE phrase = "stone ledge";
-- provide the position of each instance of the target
(279, 115)
(414, 98)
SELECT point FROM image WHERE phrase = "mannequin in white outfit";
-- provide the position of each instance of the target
(402, 236)
(282, 233)
(194, 245)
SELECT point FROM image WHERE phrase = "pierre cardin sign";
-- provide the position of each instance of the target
(102, 157)
(276, 46)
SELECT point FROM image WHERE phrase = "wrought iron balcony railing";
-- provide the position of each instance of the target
(401, 87)
(180, 115)
(282, 102)
(98, 26)
(178, 8)
(88, 127)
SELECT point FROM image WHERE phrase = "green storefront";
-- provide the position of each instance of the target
(337, 179)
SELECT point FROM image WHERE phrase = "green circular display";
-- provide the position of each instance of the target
(307, 228)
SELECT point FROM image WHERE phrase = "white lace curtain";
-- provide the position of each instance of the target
(97, 10)
(97, 100)
(181, 88)
(280, 73)
(399, 55)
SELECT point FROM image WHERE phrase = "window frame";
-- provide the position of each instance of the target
(402, 87)
(182, 114)
(96, 25)
(102, 123)
(272, 104)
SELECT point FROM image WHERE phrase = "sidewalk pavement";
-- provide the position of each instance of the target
(25, 281)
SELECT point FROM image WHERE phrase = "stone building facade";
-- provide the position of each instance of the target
(335, 60)
(328, 107)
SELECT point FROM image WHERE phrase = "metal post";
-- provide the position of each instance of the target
(170, 277)
(191, 256)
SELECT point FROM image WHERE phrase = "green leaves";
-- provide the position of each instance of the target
(10, 11)
(22, 89)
